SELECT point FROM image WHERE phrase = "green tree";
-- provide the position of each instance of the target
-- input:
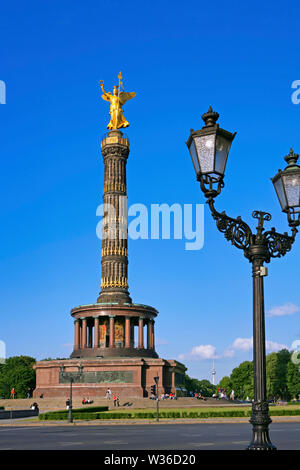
(191, 385)
(284, 358)
(282, 377)
(225, 384)
(293, 380)
(207, 389)
(276, 371)
(271, 373)
(199, 386)
(242, 380)
(17, 372)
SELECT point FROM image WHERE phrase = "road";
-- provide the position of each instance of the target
(286, 436)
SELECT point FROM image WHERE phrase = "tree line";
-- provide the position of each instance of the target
(283, 378)
(17, 372)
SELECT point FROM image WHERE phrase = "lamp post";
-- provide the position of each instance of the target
(71, 378)
(157, 398)
(209, 148)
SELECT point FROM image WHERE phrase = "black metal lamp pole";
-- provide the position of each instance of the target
(209, 150)
(71, 378)
(70, 419)
(157, 398)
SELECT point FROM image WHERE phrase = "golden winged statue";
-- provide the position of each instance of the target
(116, 99)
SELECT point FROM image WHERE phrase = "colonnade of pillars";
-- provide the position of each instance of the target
(86, 332)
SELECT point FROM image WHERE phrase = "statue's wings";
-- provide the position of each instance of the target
(124, 96)
(106, 96)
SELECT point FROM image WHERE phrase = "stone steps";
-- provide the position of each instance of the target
(51, 404)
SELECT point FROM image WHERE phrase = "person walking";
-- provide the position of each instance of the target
(108, 393)
(118, 400)
(115, 400)
(12, 393)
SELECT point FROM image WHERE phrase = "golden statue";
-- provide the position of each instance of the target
(117, 99)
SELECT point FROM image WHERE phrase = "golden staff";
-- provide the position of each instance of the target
(119, 88)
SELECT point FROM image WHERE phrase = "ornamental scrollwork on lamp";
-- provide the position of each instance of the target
(279, 244)
(235, 230)
(241, 236)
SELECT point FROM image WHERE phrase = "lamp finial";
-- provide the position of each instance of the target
(210, 118)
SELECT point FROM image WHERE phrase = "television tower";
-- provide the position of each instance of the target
(213, 373)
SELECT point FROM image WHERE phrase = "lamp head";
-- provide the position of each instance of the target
(209, 148)
(287, 187)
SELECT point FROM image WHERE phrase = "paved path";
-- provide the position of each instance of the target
(286, 436)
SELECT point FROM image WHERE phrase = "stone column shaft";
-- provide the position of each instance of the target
(141, 333)
(90, 343)
(114, 279)
(76, 334)
(127, 332)
(96, 332)
(149, 334)
(84, 333)
(111, 332)
(152, 338)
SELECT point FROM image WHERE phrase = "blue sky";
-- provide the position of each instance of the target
(239, 57)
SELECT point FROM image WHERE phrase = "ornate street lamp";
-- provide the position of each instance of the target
(209, 150)
(156, 379)
(71, 377)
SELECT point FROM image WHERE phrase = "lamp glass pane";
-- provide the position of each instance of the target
(278, 185)
(205, 147)
(222, 149)
(194, 156)
(292, 188)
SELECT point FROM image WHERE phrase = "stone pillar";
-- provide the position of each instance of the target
(111, 331)
(96, 332)
(84, 333)
(141, 333)
(132, 342)
(76, 334)
(80, 334)
(90, 327)
(152, 339)
(127, 332)
(114, 278)
(149, 334)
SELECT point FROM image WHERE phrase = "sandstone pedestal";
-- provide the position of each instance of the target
(128, 377)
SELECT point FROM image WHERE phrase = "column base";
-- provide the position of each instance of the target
(112, 352)
(261, 440)
(114, 297)
(260, 421)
